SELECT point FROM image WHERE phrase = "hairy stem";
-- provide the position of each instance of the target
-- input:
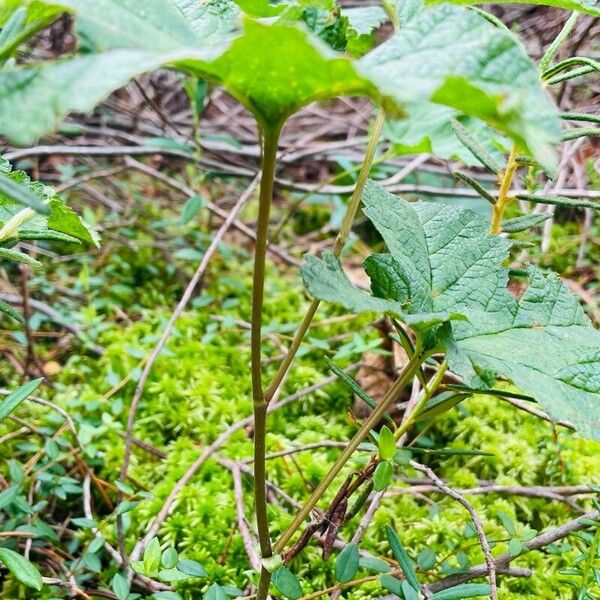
(555, 45)
(270, 139)
(340, 241)
(505, 179)
(403, 380)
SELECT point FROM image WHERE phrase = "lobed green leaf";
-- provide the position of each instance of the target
(443, 261)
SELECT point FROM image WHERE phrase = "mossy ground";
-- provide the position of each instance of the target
(201, 384)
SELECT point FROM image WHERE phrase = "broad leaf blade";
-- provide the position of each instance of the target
(22, 19)
(21, 194)
(362, 20)
(35, 99)
(462, 591)
(427, 128)
(443, 261)
(326, 280)
(547, 347)
(274, 85)
(287, 583)
(17, 223)
(431, 59)
(156, 25)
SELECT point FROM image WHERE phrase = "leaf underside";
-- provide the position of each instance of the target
(460, 60)
(446, 55)
(442, 264)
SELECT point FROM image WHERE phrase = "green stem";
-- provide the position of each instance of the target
(340, 241)
(428, 392)
(270, 139)
(292, 211)
(403, 380)
(555, 45)
(361, 180)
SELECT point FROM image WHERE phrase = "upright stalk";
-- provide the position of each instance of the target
(560, 38)
(260, 399)
(340, 241)
(403, 380)
(270, 139)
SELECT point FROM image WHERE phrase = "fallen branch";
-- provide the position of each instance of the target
(55, 316)
(502, 562)
(485, 546)
(247, 537)
(247, 231)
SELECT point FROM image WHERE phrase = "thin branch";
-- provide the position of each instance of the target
(57, 317)
(367, 518)
(503, 561)
(173, 183)
(560, 494)
(531, 409)
(485, 546)
(247, 537)
(75, 590)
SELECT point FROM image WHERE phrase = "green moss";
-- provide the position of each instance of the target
(200, 385)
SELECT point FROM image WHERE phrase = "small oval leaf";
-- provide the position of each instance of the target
(391, 584)
(386, 443)
(346, 563)
(25, 571)
(426, 559)
(287, 584)
(382, 476)
(168, 558)
(191, 567)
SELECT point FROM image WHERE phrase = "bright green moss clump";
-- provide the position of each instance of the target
(200, 385)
